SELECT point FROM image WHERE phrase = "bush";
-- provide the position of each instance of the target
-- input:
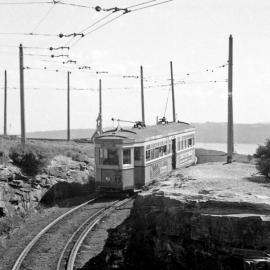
(30, 158)
(262, 156)
(4, 156)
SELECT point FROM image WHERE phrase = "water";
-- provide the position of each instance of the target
(240, 148)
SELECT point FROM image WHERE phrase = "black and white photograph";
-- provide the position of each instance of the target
(134, 135)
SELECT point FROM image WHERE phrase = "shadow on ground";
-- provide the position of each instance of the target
(60, 192)
(260, 179)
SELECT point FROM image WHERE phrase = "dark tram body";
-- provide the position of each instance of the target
(127, 159)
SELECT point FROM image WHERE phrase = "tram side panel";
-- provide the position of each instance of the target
(159, 167)
(185, 158)
(139, 166)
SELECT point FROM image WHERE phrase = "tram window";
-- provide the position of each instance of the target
(156, 152)
(109, 157)
(152, 154)
(147, 155)
(161, 151)
(126, 156)
(190, 142)
(137, 153)
(165, 149)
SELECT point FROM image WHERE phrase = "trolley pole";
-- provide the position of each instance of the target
(230, 139)
(172, 85)
(5, 105)
(100, 105)
(68, 105)
(22, 94)
(142, 95)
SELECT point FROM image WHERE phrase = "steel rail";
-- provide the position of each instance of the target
(27, 249)
(76, 232)
(77, 245)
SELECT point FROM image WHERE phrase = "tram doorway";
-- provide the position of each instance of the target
(173, 154)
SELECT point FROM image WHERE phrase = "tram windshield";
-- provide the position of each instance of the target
(109, 157)
(126, 156)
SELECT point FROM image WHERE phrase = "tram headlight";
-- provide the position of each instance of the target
(108, 179)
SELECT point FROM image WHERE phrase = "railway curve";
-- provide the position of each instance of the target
(82, 219)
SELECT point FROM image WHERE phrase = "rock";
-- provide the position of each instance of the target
(164, 234)
(16, 183)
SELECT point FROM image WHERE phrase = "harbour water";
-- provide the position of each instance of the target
(246, 149)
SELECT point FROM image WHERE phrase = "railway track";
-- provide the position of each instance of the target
(44, 249)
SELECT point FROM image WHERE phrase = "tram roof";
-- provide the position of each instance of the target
(148, 133)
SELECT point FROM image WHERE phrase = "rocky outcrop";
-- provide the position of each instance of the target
(188, 223)
(163, 233)
(19, 193)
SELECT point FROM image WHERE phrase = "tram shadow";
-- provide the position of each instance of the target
(64, 194)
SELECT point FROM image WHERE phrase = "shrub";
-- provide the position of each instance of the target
(30, 158)
(262, 156)
(4, 156)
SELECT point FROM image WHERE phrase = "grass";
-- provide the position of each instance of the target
(76, 151)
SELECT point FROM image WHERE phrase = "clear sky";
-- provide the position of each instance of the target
(191, 33)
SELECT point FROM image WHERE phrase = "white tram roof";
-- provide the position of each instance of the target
(148, 133)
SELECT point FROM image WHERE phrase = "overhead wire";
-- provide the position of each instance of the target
(167, 102)
(74, 5)
(44, 17)
(160, 3)
(140, 4)
(29, 34)
(88, 27)
(25, 3)
(99, 27)
(124, 10)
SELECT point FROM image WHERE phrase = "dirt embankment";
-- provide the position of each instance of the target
(209, 216)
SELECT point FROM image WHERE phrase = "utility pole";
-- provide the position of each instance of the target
(230, 140)
(98, 130)
(142, 95)
(5, 105)
(22, 94)
(100, 106)
(172, 85)
(68, 105)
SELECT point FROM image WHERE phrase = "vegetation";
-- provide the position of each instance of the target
(30, 158)
(262, 156)
(76, 151)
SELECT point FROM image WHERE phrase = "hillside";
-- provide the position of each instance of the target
(206, 133)
(244, 133)
(62, 134)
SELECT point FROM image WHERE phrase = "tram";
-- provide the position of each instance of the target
(127, 159)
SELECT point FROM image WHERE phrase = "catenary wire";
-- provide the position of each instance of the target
(43, 18)
(92, 31)
(160, 3)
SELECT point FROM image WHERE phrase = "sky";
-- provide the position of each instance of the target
(193, 34)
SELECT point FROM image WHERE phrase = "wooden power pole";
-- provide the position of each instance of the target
(173, 98)
(100, 106)
(230, 139)
(142, 96)
(68, 105)
(22, 94)
(5, 105)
